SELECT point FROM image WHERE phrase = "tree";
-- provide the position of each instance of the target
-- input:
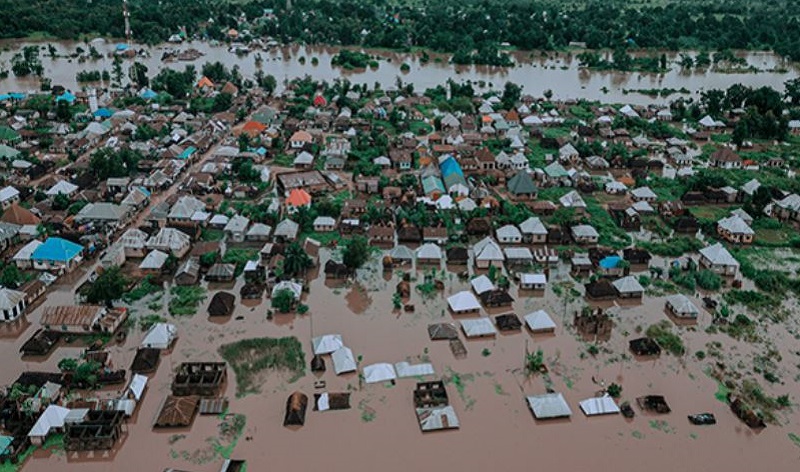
(511, 95)
(793, 90)
(68, 364)
(60, 202)
(116, 69)
(109, 286)
(86, 373)
(356, 253)
(296, 261)
(10, 276)
(614, 390)
(283, 300)
(137, 72)
(222, 102)
(63, 113)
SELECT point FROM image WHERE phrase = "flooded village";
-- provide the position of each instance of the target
(210, 270)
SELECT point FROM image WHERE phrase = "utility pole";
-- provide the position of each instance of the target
(127, 15)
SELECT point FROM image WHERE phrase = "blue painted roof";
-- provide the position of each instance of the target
(148, 94)
(610, 262)
(57, 249)
(432, 184)
(103, 113)
(66, 96)
(5, 96)
(5, 441)
(144, 191)
(449, 166)
(17, 95)
(187, 153)
(122, 47)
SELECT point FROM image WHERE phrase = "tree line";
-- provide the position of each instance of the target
(472, 30)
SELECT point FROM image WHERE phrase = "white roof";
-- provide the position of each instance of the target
(160, 336)
(327, 343)
(550, 405)
(643, 207)
(62, 187)
(478, 327)
(533, 225)
(604, 405)
(531, 279)
(481, 284)
(154, 260)
(463, 301)
(539, 321)
(137, 386)
(518, 253)
(219, 220)
(718, 255)
(572, 200)
(405, 370)
(508, 232)
(343, 360)
(237, 224)
(437, 418)
(401, 252)
(7, 193)
(324, 221)
(53, 417)
(643, 192)
(488, 250)
(628, 284)
(10, 298)
(682, 305)
(585, 231)
(429, 251)
(736, 225)
(381, 372)
(628, 111)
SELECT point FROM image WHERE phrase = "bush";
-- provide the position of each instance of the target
(663, 335)
(708, 280)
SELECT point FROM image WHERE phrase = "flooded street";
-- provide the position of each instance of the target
(533, 71)
(381, 430)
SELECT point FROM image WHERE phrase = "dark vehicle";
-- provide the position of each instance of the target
(627, 410)
(702, 419)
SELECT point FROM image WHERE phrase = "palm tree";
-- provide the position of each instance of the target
(296, 261)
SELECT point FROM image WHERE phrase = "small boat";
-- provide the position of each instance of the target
(702, 419)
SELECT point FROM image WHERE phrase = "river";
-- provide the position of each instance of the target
(535, 72)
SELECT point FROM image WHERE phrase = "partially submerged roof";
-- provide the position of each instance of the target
(463, 301)
(478, 327)
(381, 372)
(405, 370)
(327, 344)
(343, 360)
(549, 405)
(539, 321)
(604, 405)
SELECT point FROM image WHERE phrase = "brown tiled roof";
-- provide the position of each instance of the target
(177, 411)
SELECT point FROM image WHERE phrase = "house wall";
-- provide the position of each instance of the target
(15, 311)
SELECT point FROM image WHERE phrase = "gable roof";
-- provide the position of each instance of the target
(521, 183)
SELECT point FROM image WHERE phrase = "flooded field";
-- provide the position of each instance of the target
(487, 389)
(534, 71)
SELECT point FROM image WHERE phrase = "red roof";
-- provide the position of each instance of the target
(319, 101)
(298, 197)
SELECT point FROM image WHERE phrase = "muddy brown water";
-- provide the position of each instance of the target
(533, 71)
(380, 431)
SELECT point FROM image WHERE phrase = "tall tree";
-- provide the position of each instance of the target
(109, 286)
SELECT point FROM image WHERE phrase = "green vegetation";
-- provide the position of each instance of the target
(144, 288)
(663, 335)
(147, 322)
(239, 257)
(185, 300)
(283, 300)
(109, 286)
(675, 247)
(251, 358)
(351, 59)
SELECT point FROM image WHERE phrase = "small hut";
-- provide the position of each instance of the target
(508, 322)
(296, 409)
(317, 363)
(222, 304)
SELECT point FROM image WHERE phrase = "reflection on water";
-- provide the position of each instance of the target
(536, 72)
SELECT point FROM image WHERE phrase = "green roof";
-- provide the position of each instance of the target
(555, 170)
(521, 184)
(7, 152)
(8, 134)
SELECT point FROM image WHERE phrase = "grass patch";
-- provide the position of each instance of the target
(146, 287)
(147, 322)
(795, 439)
(185, 300)
(663, 335)
(250, 358)
(210, 235)
(675, 247)
(239, 257)
(230, 430)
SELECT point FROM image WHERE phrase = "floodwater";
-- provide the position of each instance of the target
(535, 72)
(380, 431)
